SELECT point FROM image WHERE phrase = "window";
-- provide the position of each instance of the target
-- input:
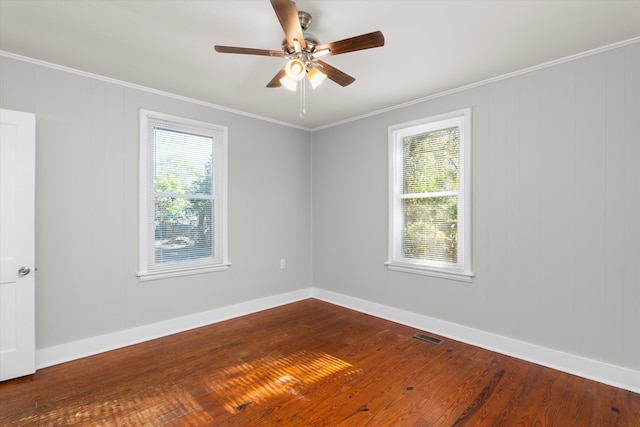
(183, 196)
(430, 196)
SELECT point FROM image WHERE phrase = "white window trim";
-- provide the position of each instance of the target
(396, 262)
(221, 263)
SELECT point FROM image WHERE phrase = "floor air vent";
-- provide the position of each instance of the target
(428, 338)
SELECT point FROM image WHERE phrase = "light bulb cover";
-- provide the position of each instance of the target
(316, 77)
(292, 85)
(295, 69)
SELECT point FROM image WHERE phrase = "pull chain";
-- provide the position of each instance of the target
(303, 108)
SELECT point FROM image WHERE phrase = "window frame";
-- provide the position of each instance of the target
(147, 269)
(462, 270)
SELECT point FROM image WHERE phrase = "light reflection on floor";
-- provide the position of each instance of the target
(155, 407)
(251, 383)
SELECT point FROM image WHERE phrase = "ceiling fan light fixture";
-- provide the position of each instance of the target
(316, 77)
(292, 85)
(295, 69)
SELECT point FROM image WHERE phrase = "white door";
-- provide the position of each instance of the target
(17, 240)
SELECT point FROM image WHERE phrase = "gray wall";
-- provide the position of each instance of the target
(556, 210)
(556, 206)
(87, 206)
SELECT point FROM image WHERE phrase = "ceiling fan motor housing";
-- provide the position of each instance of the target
(310, 40)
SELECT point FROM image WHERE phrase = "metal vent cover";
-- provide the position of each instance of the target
(428, 338)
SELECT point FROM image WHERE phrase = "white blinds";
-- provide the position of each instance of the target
(430, 166)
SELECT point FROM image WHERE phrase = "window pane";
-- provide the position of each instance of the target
(183, 229)
(182, 162)
(430, 228)
(430, 161)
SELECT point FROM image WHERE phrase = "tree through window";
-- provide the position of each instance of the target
(429, 200)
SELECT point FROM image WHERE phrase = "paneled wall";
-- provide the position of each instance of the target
(556, 202)
(87, 206)
(556, 209)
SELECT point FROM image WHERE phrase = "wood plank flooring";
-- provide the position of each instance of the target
(309, 363)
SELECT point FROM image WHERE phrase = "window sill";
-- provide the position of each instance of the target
(426, 271)
(156, 275)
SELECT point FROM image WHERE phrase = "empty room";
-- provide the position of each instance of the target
(320, 213)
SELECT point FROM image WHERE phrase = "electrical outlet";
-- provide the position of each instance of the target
(283, 263)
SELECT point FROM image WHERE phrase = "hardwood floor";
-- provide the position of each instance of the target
(309, 364)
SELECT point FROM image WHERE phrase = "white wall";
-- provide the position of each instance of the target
(87, 206)
(556, 210)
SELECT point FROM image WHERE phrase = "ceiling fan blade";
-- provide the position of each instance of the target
(343, 79)
(248, 51)
(275, 81)
(364, 41)
(287, 13)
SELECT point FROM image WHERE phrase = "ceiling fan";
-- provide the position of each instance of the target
(303, 51)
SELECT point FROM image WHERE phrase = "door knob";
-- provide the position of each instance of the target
(23, 271)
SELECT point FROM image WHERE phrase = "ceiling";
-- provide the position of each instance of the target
(430, 46)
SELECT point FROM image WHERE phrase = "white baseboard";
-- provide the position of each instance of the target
(87, 347)
(617, 376)
(606, 373)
